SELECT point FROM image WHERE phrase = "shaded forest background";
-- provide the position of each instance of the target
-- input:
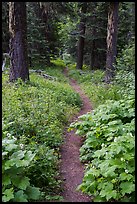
(53, 31)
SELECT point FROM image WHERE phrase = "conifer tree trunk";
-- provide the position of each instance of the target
(93, 45)
(80, 47)
(18, 41)
(111, 40)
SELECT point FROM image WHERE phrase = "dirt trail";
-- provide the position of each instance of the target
(71, 169)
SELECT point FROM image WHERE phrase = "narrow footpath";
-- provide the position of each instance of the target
(71, 169)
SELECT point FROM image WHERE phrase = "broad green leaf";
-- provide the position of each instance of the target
(23, 162)
(21, 182)
(104, 165)
(7, 141)
(9, 164)
(8, 195)
(24, 183)
(110, 171)
(33, 192)
(111, 194)
(100, 153)
(10, 147)
(127, 187)
(6, 180)
(92, 171)
(99, 199)
(102, 185)
(125, 176)
(29, 156)
(20, 196)
(106, 191)
(18, 154)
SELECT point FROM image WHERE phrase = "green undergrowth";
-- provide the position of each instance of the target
(34, 115)
(56, 70)
(98, 92)
(108, 150)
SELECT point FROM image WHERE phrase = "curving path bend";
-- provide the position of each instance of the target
(71, 169)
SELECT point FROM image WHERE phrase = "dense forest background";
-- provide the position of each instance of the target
(95, 42)
(53, 30)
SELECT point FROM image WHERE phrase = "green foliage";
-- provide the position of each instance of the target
(43, 170)
(43, 33)
(36, 112)
(38, 47)
(95, 36)
(92, 84)
(59, 63)
(109, 131)
(68, 24)
(125, 81)
(53, 101)
(67, 58)
(109, 150)
(123, 85)
(56, 70)
(126, 60)
(126, 25)
(16, 185)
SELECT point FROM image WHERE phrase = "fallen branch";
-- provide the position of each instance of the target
(40, 72)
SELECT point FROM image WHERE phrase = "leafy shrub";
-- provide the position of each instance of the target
(109, 151)
(35, 113)
(79, 75)
(125, 80)
(43, 106)
(67, 58)
(16, 185)
(85, 67)
(123, 85)
(74, 65)
(59, 63)
(43, 170)
(126, 60)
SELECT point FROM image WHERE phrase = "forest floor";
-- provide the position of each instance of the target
(71, 169)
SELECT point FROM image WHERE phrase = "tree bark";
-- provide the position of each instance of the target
(80, 47)
(111, 40)
(18, 41)
(92, 58)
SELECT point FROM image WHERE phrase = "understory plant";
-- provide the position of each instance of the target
(92, 82)
(109, 151)
(35, 113)
(16, 185)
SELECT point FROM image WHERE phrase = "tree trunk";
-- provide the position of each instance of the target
(92, 59)
(80, 47)
(111, 40)
(18, 41)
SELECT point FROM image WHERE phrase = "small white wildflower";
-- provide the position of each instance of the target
(14, 138)
(21, 146)
(102, 145)
(115, 139)
(126, 170)
(122, 159)
(8, 134)
(130, 134)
